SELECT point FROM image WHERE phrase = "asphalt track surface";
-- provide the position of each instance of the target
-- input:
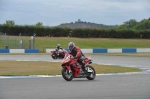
(115, 86)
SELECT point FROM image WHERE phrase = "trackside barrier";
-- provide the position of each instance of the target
(95, 50)
(113, 50)
(19, 50)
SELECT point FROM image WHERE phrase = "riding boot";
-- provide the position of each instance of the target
(83, 68)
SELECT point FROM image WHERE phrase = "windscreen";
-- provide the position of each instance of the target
(66, 55)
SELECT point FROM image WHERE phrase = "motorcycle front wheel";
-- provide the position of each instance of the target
(54, 56)
(67, 75)
(91, 72)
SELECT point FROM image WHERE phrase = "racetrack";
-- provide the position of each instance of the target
(116, 86)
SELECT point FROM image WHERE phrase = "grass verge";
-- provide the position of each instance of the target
(22, 68)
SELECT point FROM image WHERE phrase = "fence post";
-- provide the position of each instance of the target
(33, 41)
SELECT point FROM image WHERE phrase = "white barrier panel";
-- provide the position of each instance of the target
(114, 50)
(48, 50)
(17, 51)
(87, 50)
(143, 50)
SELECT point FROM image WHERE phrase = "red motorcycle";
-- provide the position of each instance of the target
(72, 69)
(60, 54)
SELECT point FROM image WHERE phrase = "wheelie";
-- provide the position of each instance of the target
(76, 65)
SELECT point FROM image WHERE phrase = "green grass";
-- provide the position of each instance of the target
(21, 68)
(50, 42)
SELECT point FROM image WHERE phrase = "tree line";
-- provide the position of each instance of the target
(133, 24)
(129, 29)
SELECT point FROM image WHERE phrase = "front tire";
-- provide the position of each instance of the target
(91, 75)
(54, 56)
(68, 76)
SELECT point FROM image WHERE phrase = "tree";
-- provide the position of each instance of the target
(9, 23)
(144, 24)
(39, 24)
(121, 27)
(130, 24)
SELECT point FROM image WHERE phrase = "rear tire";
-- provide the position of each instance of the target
(91, 75)
(66, 75)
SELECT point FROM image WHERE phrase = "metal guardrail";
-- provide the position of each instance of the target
(16, 42)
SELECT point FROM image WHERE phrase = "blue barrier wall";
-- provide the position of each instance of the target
(4, 50)
(31, 50)
(129, 50)
(100, 51)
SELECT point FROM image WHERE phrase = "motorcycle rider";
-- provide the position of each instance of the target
(77, 54)
(57, 49)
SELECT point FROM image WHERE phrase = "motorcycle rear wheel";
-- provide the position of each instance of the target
(91, 75)
(66, 75)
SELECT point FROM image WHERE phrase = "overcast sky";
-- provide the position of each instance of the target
(55, 12)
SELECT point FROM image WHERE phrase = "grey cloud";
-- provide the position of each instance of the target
(54, 12)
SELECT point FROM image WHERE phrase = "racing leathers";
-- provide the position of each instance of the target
(57, 49)
(77, 54)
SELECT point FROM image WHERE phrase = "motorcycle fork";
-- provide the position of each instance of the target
(68, 68)
(75, 70)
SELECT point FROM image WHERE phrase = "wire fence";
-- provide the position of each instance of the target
(16, 42)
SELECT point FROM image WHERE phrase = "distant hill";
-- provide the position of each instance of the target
(81, 24)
